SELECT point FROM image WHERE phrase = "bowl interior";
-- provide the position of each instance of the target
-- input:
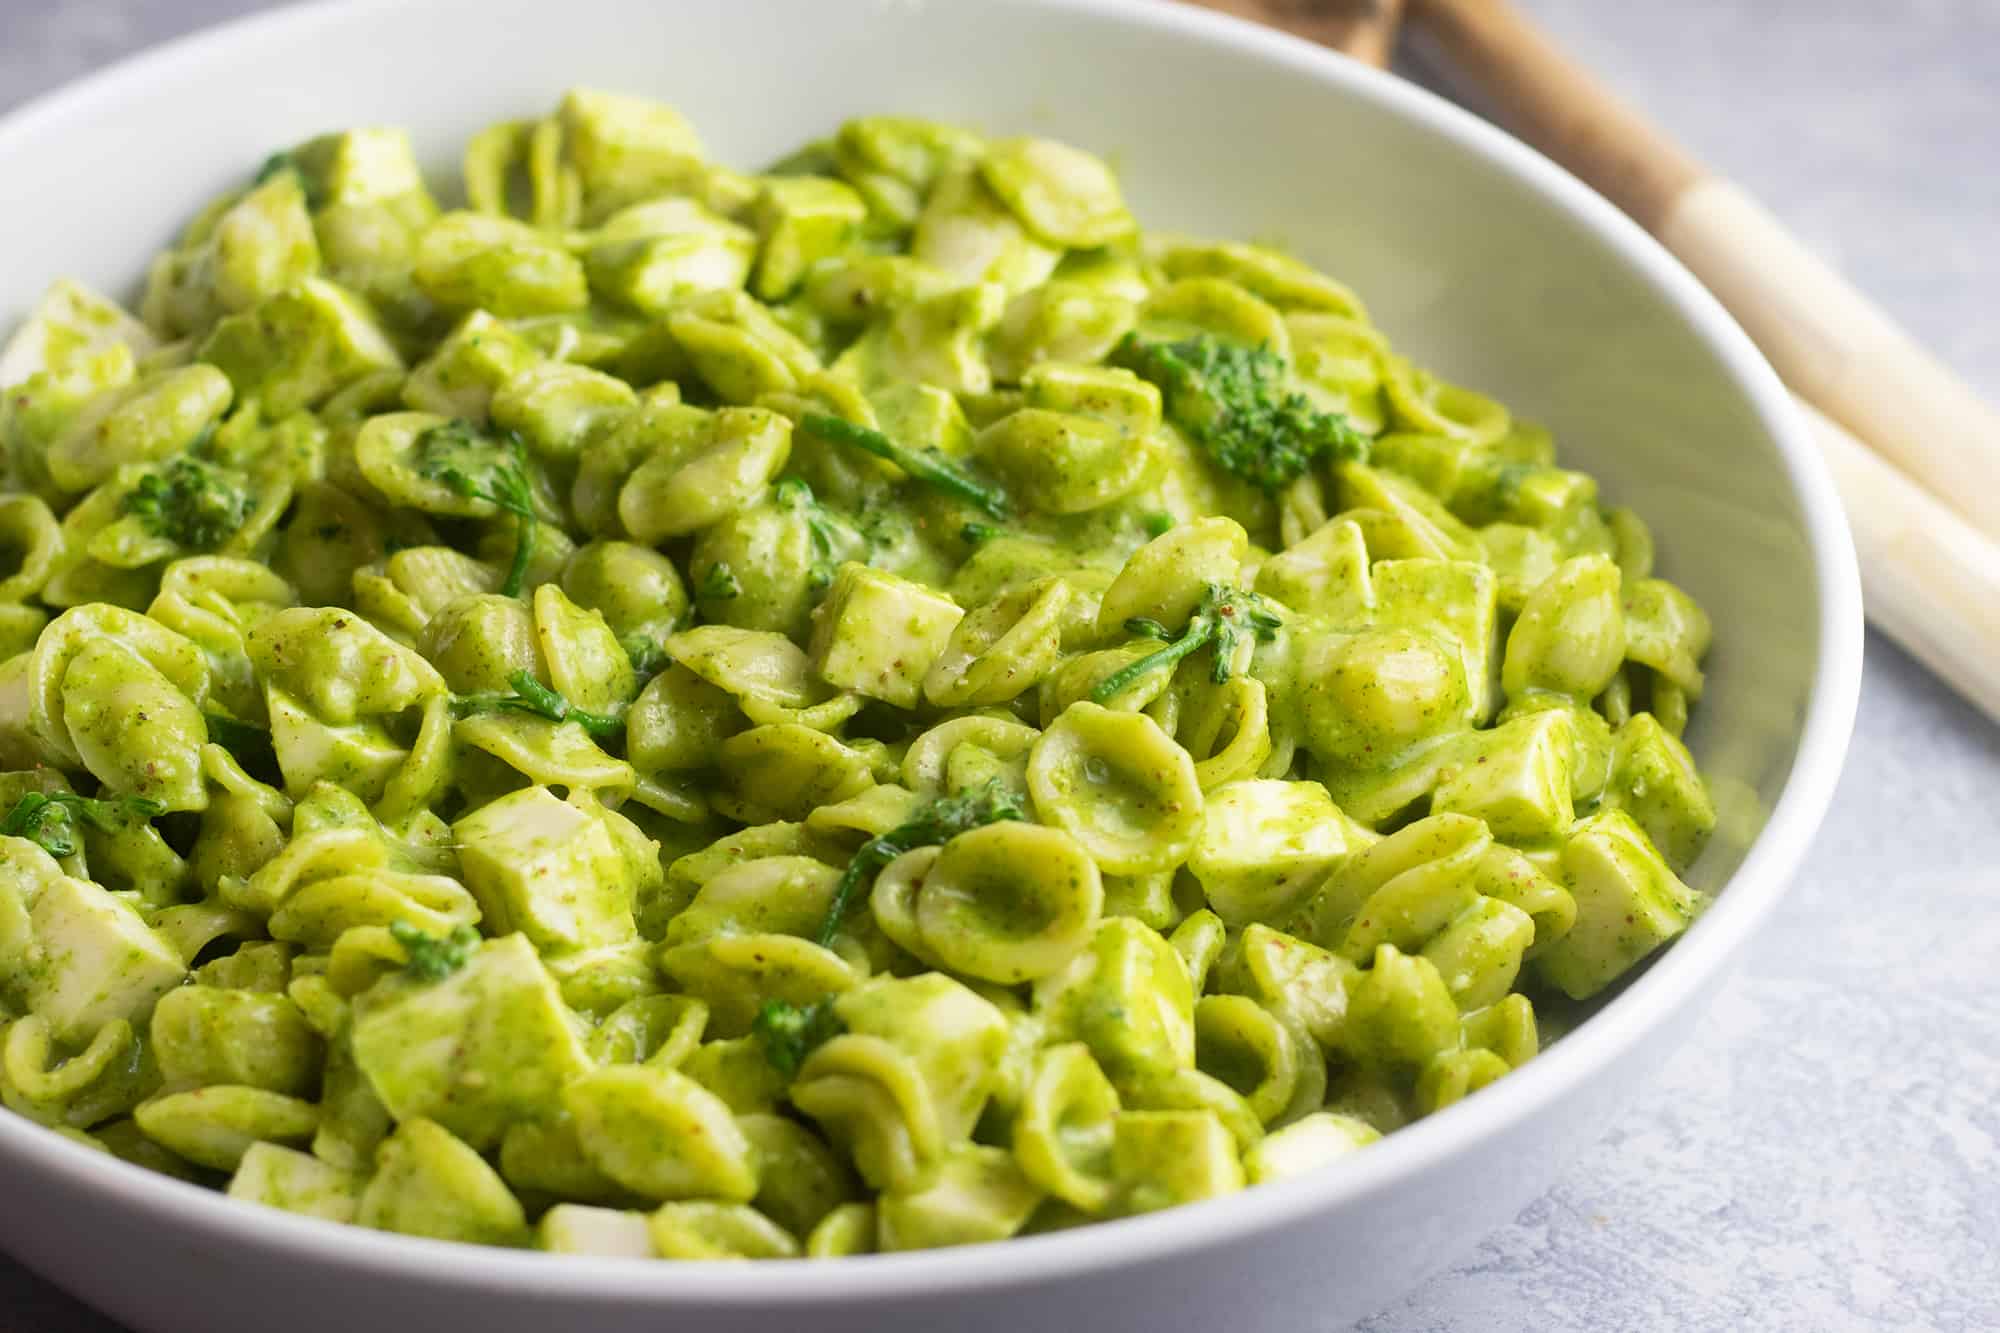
(1474, 256)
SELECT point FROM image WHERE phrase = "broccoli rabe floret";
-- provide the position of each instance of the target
(1232, 400)
(49, 819)
(435, 957)
(194, 504)
(791, 1032)
(1225, 617)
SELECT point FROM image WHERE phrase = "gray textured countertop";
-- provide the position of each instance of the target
(1824, 1154)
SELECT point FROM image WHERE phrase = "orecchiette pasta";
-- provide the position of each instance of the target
(689, 714)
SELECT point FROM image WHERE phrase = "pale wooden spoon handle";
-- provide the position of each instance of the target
(1830, 343)
(1930, 582)
(1363, 29)
(1930, 579)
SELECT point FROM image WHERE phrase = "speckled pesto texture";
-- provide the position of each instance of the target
(866, 705)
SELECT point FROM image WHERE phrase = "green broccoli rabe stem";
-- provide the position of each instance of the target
(939, 822)
(926, 465)
(524, 551)
(978, 534)
(531, 696)
(1225, 617)
(790, 1032)
(49, 819)
(1233, 400)
(1192, 640)
(456, 455)
(435, 957)
(867, 862)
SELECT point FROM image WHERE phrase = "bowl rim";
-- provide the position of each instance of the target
(1699, 959)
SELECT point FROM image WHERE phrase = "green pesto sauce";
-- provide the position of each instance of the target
(707, 695)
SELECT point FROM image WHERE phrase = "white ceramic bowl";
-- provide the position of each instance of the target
(1476, 255)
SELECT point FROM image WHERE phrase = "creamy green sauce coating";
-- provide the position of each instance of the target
(643, 708)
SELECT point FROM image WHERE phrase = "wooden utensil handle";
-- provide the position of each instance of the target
(1561, 108)
(1839, 350)
(1930, 581)
(1829, 342)
(1363, 29)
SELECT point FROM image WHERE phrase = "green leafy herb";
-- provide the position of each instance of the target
(832, 536)
(719, 584)
(812, 159)
(193, 504)
(50, 818)
(1231, 398)
(791, 1032)
(279, 163)
(939, 822)
(531, 696)
(647, 657)
(1225, 617)
(249, 744)
(274, 164)
(481, 469)
(435, 957)
(929, 466)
